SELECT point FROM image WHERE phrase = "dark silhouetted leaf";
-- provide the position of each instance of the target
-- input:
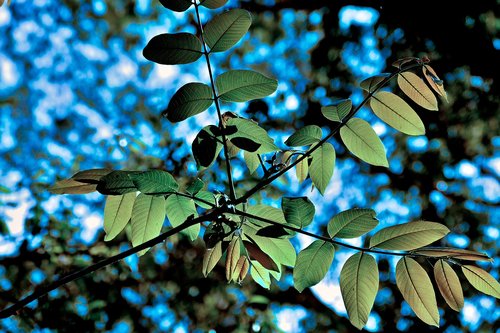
(245, 144)
(189, 100)
(213, 4)
(117, 182)
(173, 49)
(176, 5)
(206, 147)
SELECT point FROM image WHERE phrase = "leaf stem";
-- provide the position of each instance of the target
(232, 193)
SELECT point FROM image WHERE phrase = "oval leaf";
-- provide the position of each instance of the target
(259, 274)
(434, 81)
(302, 170)
(244, 85)
(416, 288)
(322, 165)
(359, 285)
(393, 110)
(232, 256)
(117, 213)
(189, 100)
(213, 4)
(226, 29)
(176, 5)
(408, 236)
(481, 280)
(415, 88)
(449, 285)
(448, 252)
(92, 176)
(352, 223)
(361, 140)
(179, 210)
(372, 82)
(252, 161)
(338, 110)
(147, 219)
(154, 181)
(250, 130)
(173, 49)
(211, 258)
(305, 136)
(206, 147)
(312, 264)
(298, 211)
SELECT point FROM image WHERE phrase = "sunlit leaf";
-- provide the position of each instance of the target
(147, 219)
(232, 256)
(117, 182)
(322, 165)
(226, 29)
(213, 4)
(267, 212)
(206, 197)
(206, 147)
(415, 88)
(359, 285)
(250, 130)
(191, 99)
(71, 186)
(298, 211)
(448, 252)
(173, 49)
(449, 285)
(260, 274)
(179, 210)
(352, 223)
(154, 181)
(117, 213)
(434, 81)
(92, 176)
(338, 110)
(176, 5)
(195, 187)
(361, 140)
(305, 136)
(280, 250)
(408, 236)
(302, 170)
(241, 270)
(481, 280)
(312, 264)
(416, 288)
(252, 161)
(373, 82)
(244, 85)
(211, 258)
(397, 113)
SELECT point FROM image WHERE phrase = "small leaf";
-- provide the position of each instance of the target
(449, 285)
(252, 161)
(117, 213)
(372, 82)
(211, 258)
(253, 132)
(408, 236)
(352, 223)
(305, 136)
(415, 88)
(117, 182)
(322, 165)
(195, 186)
(338, 110)
(241, 270)
(244, 85)
(361, 140)
(434, 81)
(226, 29)
(400, 62)
(154, 181)
(302, 170)
(393, 110)
(179, 210)
(92, 176)
(481, 280)
(176, 5)
(147, 219)
(359, 285)
(298, 211)
(71, 186)
(173, 49)
(260, 274)
(213, 4)
(233, 254)
(448, 252)
(191, 99)
(206, 147)
(312, 264)
(205, 196)
(257, 254)
(416, 288)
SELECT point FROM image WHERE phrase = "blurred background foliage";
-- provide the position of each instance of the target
(76, 93)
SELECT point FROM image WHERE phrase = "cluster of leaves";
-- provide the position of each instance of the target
(256, 239)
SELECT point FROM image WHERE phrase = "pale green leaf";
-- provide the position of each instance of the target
(359, 285)
(417, 290)
(173, 49)
(415, 88)
(191, 99)
(361, 140)
(305, 136)
(352, 223)
(279, 249)
(252, 161)
(371, 83)
(147, 219)
(298, 211)
(232, 257)
(154, 181)
(205, 196)
(244, 85)
(448, 252)
(322, 165)
(481, 280)
(312, 264)
(241, 270)
(213, 4)
(71, 186)
(302, 170)
(338, 110)
(250, 130)
(195, 187)
(176, 5)
(408, 236)
(179, 210)
(260, 274)
(449, 285)
(226, 29)
(397, 113)
(117, 213)
(267, 212)
(211, 258)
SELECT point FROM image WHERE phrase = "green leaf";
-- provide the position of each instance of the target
(260, 274)
(393, 110)
(232, 256)
(280, 250)
(191, 99)
(338, 110)
(213, 4)
(92, 176)
(302, 170)
(211, 258)
(322, 165)
(363, 142)
(252, 161)
(371, 83)
(154, 181)
(173, 49)
(71, 186)
(359, 285)
(148, 215)
(448, 252)
(305, 136)
(416, 288)
(250, 130)
(352, 223)
(481, 280)
(244, 85)
(298, 211)
(205, 196)
(117, 213)
(226, 29)
(206, 147)
(408, 236)
(312, 264)
(179, 210)
(176, 5)
(415, 88)
(449, 285)
(267, 212)
(117, 182)
(256, 253)
(195, 186)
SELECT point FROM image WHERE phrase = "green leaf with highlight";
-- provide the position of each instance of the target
(338, 110)
(147, 219)
(117, 213)
(154, 181)
(179, 210)
(312, 264)
(305, 136)
(352, 223)
(481, 280)
(252, 131)
(259, 274)
(226, 29)
(298, 211)
(415, 88)
(190, 100)
(322, 165)
(244, 85)
(449, 285)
